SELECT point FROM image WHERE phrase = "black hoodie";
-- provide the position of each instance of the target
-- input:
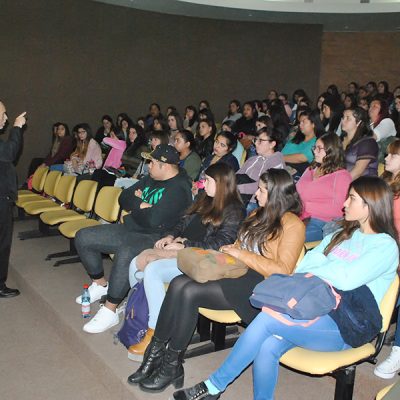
(169, 200)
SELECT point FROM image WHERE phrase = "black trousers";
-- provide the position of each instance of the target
(6, 231)
(178, 315)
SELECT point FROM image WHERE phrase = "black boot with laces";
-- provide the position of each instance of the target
(196, 392)
(151, 361)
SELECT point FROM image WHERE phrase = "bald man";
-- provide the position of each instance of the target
(9, 150)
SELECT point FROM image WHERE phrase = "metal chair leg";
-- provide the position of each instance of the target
(345, 383)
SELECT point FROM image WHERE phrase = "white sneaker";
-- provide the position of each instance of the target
(103, 320)
(96, 293)
(388, 368)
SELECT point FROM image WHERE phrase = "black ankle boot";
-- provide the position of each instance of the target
(151, 361)
(169, 372)
(196, 392)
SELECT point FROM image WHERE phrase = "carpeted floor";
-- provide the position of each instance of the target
(46, 355)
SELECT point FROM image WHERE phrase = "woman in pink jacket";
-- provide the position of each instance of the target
(324, 185)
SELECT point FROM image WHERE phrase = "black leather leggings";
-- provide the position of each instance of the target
(179, 312)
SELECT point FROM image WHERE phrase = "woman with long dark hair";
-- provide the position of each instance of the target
(381, 124)
(87, 153)
(211, 222)
(349, 258)
(298, 150)
(190, 161)
(332, 110)
(224, 145)
(361, 149)
(269, 241)
(324, 185)
(61, 149)
(190, 121)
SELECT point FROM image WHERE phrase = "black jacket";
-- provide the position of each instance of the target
(216, 236)
(9, 150)
(169, 199)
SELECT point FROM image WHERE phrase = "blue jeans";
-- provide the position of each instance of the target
(57, 167)
(264, 342)
(155, 275)
(314, 230)
(251, 207)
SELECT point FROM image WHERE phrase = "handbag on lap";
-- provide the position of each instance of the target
(302, 296)
(209, 265)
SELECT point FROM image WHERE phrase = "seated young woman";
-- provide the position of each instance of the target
(240, 152)
(104, 131)
(211, 222)
(185, 143)
(190, 122)
(298, 151)
(269, 241)
(62, 147)
(381, 123)
(388, 368)
(106, 176)
(87, 154)
(137, 144)
(224, 145)
(361, 149)
(268, 143)
(205, 138)
(348, 259)
(324, 185)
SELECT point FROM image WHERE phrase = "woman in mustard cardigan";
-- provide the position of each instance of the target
(269, 241)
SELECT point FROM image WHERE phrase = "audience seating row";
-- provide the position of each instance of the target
(86, 210)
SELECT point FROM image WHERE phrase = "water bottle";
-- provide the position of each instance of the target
(85, 302)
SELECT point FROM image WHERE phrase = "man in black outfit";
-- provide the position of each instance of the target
(9, 150)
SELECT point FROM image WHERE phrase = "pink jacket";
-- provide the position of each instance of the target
(323, 197)
(94, 154)
(114, 156)
(396, 214)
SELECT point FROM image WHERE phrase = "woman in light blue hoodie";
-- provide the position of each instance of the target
(348, 259)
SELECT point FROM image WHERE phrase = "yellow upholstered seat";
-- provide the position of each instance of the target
(221, 316)
(83, 200)
(382, 393)
(106, 208)
(63, 196)
(311, 245)
(321, 363)
(39, 177)
(381, 169)
(50, 185)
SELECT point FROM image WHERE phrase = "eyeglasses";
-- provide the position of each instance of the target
(318, 148)
(223, 145)
(258, 140)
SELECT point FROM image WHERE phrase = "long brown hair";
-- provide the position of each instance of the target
(82, 145)
(363, 128)
(334, 158)
(266, 222)
(376, 194)
(393, 181)
(212, 209)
